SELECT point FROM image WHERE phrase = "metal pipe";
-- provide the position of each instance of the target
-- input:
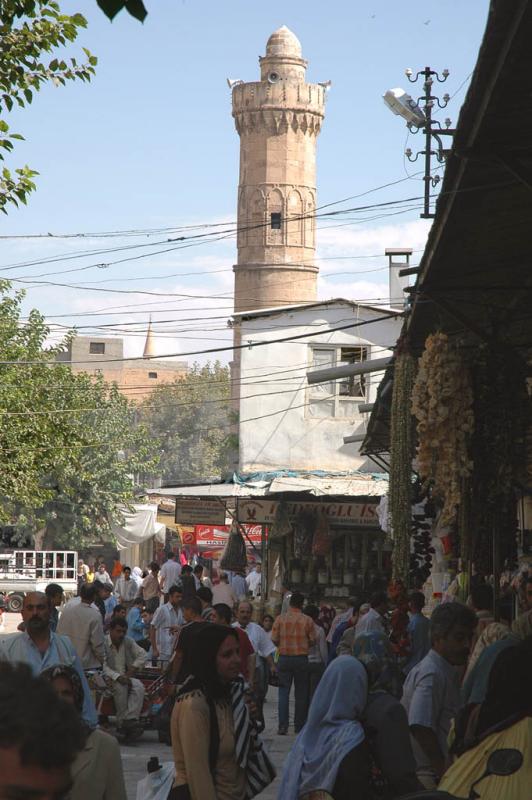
(365, 408)
(356, 437)
(360, 368)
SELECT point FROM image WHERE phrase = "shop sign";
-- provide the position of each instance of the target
(263, 512)
(189, 537)
(217, 535)
(199, 511)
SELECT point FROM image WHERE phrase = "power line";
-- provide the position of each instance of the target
(217, 349)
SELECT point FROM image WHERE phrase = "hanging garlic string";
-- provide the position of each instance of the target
(401, 451)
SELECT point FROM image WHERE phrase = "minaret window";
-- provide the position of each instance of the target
(276, 221)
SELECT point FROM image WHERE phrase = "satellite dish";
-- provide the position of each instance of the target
(232, 82)
(326, 85)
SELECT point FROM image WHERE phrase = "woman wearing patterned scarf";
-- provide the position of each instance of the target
(97, 771)
(217, 753)
(385, 719)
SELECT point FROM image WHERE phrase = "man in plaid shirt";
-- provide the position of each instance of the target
(294, 634)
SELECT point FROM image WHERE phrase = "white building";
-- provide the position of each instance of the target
(284, 422)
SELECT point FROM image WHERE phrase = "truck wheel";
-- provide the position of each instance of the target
(15, 603)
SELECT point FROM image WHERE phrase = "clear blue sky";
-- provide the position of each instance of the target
(151, 142)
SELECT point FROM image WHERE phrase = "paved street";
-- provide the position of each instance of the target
(135, 757)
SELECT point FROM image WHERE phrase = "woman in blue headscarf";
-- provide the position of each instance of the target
(330, 753)
(385, 719)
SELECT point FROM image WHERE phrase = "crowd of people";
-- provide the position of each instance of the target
(120, 621)
(402, 702)
(387, 700)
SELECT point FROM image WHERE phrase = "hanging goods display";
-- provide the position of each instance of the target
(234, 557)
(401, 451)
(442, 403)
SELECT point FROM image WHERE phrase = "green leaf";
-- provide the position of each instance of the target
(137, 9)
(111, 7)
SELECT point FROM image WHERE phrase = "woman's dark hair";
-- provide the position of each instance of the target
(204, 646)
(44, 729)
(311, 611)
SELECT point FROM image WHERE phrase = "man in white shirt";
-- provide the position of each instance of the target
(262, 644)
(169, 574)
(126, 589)
(431, 693)
(223, 592)
(254, 580)
(83, 625)
(102, 575)
(165, 625)
(122, 657)
(374, 620)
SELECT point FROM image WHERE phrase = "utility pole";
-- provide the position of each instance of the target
(432, 129)
(419, 117)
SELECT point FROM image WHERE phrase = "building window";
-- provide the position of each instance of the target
(337, 398)
(275, 221)
(97, 348)
(152, 374)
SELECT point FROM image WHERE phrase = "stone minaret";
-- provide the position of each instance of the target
(278, 119)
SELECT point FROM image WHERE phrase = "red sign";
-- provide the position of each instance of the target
(216, 536)
(189, 537)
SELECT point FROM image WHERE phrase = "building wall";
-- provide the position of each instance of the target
(136, 379)
(274, 380)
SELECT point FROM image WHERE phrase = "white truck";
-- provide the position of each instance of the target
(23, 571)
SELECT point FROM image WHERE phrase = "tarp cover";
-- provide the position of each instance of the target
(139, 525)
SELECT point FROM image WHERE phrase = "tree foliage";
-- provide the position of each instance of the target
(70, 443)
(134, 7)
(192, 419)
(31, 31)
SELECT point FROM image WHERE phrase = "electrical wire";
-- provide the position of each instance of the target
(214, 349)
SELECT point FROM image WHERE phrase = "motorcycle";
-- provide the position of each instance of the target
(501, 762)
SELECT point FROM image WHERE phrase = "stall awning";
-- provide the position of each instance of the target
(140, 524)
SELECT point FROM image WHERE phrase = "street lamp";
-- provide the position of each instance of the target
(418, 116)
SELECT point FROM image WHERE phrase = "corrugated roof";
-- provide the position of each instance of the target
(267, 312)
(318, 486)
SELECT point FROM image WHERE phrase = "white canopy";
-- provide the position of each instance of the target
(139, 525)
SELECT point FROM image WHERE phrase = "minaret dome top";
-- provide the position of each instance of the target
(283, 42)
